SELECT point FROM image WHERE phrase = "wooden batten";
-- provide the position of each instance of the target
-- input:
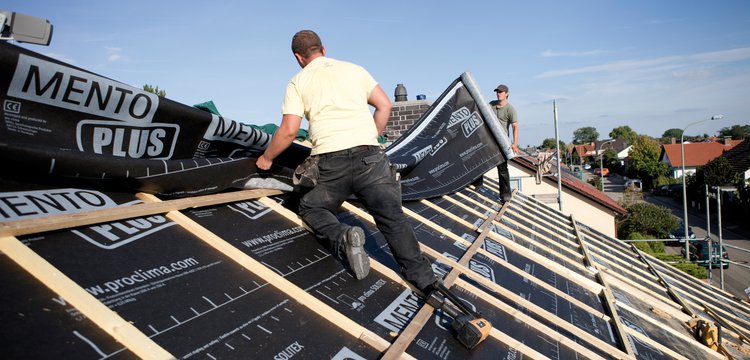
(65, 221)
(108, 320)
(608, 296)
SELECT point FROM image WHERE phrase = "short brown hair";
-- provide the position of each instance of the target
(306, 43)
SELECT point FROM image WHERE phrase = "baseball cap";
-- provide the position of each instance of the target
(501, 87)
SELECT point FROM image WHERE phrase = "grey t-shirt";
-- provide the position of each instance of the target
(506, 115)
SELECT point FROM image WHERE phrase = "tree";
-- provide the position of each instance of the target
(585, 135)
(719, 172)
(644, 160)
(648, 220)
(669, 134)
(549, 143)
(624, 132)
(155, 90)
(737, 132)
(611, 161)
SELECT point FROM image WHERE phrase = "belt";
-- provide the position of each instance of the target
(351, 150)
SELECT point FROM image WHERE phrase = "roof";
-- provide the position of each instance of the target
(739, 156)
(696, 154)
(593, 148)
(584, 150)
(237, 275)
(618, 144)
(574, 184)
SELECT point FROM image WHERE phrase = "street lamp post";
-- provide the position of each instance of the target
(601, 162)
(684, 187)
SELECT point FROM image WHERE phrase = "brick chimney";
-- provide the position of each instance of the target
(727, 141)
(403, 115)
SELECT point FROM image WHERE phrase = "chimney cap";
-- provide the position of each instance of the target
(400, 93)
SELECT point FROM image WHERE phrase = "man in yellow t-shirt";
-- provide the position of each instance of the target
(334, 96)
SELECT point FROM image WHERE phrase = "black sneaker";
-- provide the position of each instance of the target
(354, 243)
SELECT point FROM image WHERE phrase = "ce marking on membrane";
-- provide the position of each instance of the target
(12, 106)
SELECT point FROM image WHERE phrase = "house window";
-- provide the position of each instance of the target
(515, 183)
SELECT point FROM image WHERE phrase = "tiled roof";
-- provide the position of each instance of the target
(739, 156)
(584, 150)
(696, 154)
(616, 144)
(573, 183)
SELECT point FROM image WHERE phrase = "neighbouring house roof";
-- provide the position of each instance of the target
(739, 156)
(592, 149)
(571, 182)
(584, 150)
(616, 144)
(696, 154)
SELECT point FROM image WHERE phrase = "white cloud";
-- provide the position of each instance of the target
(113, 54)
(723, 56)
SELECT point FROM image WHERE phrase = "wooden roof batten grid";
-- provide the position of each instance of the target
(427, 310)
(564, 272)
(612, 301)
(532, 255)
(461, 265)
(631, 332)
(690, 298)
(555, 267)
(676, 302)
(415, 326)
(57, 222)
(274, 279)
(514, 297)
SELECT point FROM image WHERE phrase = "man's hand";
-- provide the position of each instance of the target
(263, 163)
(515, 148)
(283, 137)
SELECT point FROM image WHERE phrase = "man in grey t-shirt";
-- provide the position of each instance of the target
(507, 116)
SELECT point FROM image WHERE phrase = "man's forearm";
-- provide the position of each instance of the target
(280, 142)
(379, 100)
(381, 119)
(283, 137)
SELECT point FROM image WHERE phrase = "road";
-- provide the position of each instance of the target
(736, 277)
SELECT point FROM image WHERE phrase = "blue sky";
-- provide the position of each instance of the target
(652, 65)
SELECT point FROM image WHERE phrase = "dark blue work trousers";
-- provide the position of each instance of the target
(365, 172)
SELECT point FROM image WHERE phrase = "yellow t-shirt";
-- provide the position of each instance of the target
(333, 95)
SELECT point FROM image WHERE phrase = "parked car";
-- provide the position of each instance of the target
(660, 190)
(679, 234)
(699, 253)
(674, 190)
(587, 167)
(601, 171)
(634, 185)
